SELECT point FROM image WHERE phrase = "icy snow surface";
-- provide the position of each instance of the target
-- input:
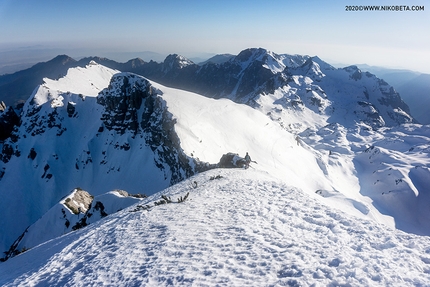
(237, 228)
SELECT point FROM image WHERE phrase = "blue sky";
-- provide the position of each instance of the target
(190, 28)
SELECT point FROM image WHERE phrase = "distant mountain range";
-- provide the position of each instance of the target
(98, 128)
(413, 87)
(222, 76)
(15, 88)
(335, 152)
(416, 93)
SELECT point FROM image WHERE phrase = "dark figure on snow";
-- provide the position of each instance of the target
(247, 160)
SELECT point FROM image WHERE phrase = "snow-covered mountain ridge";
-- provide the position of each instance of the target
(332, 133)
(75, 138)
(299, 82)
(237, 228)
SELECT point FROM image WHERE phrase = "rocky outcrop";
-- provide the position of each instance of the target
(231, 160)
(122, 101)
(79, 201)
(8, 120)
(77, 210)
(132, 105)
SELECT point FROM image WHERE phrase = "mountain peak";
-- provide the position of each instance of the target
(83, 81)
(323, 65)
(312, 69)
(259, 56)
(136, 62)
(251, 54)
(218, 59)
(175, 61)
(55, 63)
(63, 59)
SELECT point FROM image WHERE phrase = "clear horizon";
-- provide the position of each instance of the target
(392, 39)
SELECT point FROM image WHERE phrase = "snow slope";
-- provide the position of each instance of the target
(125, 136)
(59, 147)
(65, 217)
(237, 228)
(209, 128)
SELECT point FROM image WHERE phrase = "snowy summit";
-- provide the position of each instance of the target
(132, 183)
(237, 228)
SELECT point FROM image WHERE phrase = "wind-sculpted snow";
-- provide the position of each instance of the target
(237, 228)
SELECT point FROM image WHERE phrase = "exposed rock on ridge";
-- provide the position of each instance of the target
(133, 105)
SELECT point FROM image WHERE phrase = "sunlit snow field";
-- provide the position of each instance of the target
(326, 202)
(237, 228)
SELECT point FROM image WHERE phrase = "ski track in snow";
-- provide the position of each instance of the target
(243, 229)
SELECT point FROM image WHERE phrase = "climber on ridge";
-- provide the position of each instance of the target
(247, 160)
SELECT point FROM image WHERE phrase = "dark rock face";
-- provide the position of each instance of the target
(242, 78)
(8, 120)
(133, 105)
(355, 73)
(8, 151)
(71, 110)
(392, 98)
(122, 101)
(32, 155)
(255, 73)
(216, 81)
(369, 114)
(254, 80)
(39, 123)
